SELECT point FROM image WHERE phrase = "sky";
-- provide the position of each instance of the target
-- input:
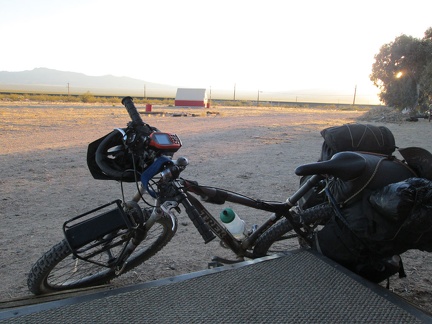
(266, 46)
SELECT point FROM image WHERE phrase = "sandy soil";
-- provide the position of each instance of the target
(45, 181)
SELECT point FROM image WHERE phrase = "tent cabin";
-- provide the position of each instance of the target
(190, 97)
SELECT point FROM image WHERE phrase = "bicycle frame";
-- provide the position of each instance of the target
(240, 248)
(278, 210)
(208, 225)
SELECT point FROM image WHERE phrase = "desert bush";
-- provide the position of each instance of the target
(88, 97)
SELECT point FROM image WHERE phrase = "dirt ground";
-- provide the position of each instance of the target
(254, 150)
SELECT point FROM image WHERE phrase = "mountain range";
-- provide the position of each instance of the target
(61, 82)
(44, 80)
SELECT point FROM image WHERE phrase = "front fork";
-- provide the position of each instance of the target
(140, 233)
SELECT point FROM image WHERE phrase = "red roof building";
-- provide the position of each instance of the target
(191, 97)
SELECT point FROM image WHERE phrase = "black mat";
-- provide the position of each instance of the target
(300, 287)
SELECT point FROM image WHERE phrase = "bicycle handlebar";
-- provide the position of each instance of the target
(132, 111)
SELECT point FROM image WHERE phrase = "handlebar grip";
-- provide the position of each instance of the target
(132, 111)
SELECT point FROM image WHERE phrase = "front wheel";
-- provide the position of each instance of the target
(58, 269)
(277, 238)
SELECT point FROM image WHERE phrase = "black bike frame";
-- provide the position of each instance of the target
(219, 196)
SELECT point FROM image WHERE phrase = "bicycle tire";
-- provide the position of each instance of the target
(267, 243)
(58, 269)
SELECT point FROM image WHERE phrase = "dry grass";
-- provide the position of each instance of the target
(383, 115)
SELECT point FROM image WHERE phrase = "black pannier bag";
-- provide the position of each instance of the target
(364, 234)
(375, 230)
(408, 206)
(383, 213)
(349, 137)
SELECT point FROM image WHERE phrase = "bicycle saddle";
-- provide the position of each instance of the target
(344, 165)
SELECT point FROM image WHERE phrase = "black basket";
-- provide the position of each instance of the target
(104, 230)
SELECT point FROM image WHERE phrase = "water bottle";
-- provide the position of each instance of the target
(233, 223)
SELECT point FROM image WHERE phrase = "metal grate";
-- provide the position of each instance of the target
(296, 288)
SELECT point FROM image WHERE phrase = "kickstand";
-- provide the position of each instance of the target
(220, 262)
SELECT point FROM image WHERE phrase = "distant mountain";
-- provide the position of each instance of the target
(54, 81)
(43, 80)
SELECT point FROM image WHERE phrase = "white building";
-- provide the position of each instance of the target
(191, 97)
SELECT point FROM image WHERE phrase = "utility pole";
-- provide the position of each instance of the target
(355, 92)
(68, 90)
(145, 94)
(234, 90)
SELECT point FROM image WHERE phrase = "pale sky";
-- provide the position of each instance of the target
(256, 45)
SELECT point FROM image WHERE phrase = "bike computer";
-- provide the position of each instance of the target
(165, 141)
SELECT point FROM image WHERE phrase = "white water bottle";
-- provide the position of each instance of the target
(233, 223)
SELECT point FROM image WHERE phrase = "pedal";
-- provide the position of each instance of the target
(214, 264)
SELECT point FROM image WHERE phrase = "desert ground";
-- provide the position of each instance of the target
(252, 150)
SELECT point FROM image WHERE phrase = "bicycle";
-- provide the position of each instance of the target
(112, 239)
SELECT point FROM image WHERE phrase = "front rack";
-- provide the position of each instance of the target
(100, 235)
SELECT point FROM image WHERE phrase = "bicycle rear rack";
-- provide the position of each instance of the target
(97, 231)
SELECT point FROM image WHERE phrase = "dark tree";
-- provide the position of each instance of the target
(400, 71)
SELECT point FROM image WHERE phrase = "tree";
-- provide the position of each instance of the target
(428, 34)
(399, 71)
(426, 84)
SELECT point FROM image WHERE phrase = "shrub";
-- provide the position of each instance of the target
(88, 97)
